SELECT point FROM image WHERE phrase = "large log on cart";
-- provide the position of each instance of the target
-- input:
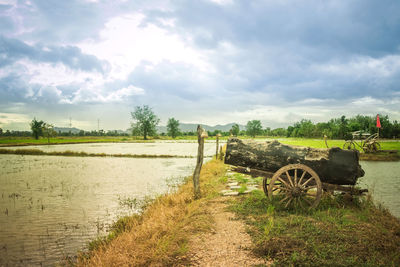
(296, 174)
(333, 165)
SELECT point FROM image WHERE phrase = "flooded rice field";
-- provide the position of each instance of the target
(382, 179)
(51, 207)
(157, 148)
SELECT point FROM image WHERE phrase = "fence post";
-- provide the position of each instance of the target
(216, 151)
(201, 134)
(221, 153)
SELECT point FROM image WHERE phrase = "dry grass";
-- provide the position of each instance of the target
(159, 236)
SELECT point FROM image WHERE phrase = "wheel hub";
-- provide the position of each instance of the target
(296, 191)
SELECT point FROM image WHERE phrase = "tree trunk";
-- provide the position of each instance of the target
(333, 165)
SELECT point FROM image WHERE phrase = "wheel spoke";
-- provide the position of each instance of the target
(302, 176)
(287, 203)
(311, 187)
(295, 177)
(282, 181)
(308, 202)
(301, 203)
(281, 188)
(310, 194)
(283, 199)
(309, 180)
(284, 189)
(289, 178)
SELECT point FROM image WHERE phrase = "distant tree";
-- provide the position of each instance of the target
(37, 128)
(305, 129)
(145, 121)
(278, 132)
(173, 127)
(1, 131)
(267, 131)
(253, 128)
(344, 132)
(289, 131)
(48, 131)
(235, 129)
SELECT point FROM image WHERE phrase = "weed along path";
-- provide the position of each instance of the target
(227, 245)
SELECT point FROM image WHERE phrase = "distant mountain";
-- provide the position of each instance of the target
(66, 130)
(76, 130)
(192, 127)
(184, 127)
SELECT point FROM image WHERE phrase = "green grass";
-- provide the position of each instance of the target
(339, 232)
(319, 143)
(316, 143)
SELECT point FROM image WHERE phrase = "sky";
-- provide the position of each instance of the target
(205, 61)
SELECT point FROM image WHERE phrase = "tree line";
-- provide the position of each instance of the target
(341, 128)
(145, 123)
(336, 128)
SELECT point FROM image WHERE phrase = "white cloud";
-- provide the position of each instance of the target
(222, 2)
(49, 93)
(367, 101)
(14, 121)
(363, 66)
(95, 95)
(8, 2)
(122, 93)
(47, 74)
(125, 42)
(13, 117)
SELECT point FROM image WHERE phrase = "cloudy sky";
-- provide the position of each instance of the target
(210, 61)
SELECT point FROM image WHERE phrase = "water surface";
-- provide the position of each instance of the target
(157, 148)
(382, 179)
(51, 206)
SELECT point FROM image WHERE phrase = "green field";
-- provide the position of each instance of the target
(316, 143)
(319, 143)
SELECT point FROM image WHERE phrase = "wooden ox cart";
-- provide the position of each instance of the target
(297, 174)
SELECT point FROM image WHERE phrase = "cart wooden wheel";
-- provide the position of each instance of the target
(374, 147)
(349, 145)
(377, 146)
(371, 147)
(298, 184)
(265, 185)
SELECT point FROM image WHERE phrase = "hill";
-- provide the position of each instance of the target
(66, 130)
(191, 127)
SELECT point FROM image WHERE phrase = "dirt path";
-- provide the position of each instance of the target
(227, 245)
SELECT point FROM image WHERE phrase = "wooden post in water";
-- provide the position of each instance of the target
(201, 134)
(216, 151)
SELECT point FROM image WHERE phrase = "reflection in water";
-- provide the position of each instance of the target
(382, 179)
(50, 207)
